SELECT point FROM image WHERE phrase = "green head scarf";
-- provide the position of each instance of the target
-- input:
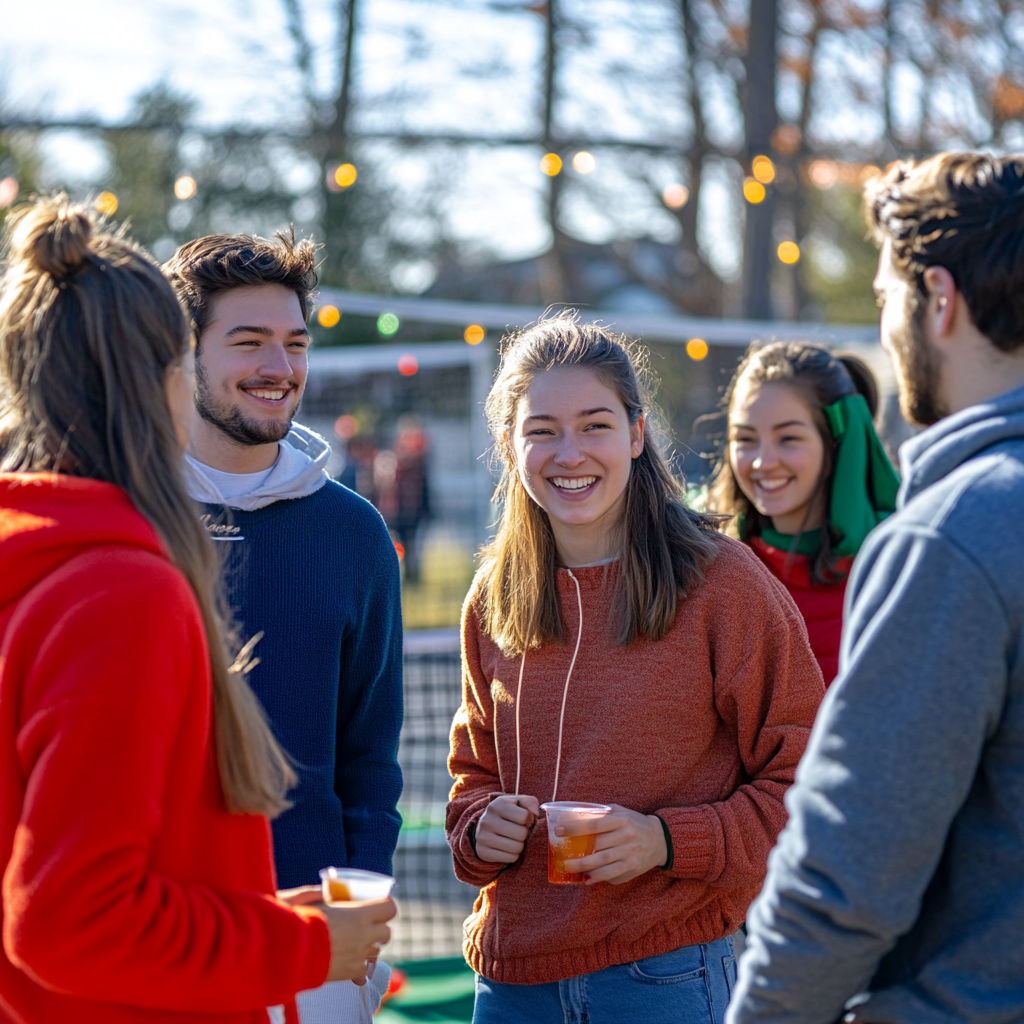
(864, 482)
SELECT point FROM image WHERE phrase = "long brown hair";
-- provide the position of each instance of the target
(89, 329)
(820, 378)
(665, 545)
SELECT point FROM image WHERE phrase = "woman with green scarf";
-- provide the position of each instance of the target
(803, 475)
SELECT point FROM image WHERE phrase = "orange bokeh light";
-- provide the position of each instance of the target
(407, 365)
(697, 348)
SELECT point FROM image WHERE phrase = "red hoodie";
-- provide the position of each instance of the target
(129, 892)
(821, 605)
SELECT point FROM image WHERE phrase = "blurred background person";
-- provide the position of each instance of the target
(136, 768)
(357, 474)
(804, 476)
(412, 485)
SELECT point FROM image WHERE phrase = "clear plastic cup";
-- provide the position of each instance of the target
(345, 885)
(563, 850)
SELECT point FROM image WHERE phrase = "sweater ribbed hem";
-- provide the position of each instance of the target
(706, 925)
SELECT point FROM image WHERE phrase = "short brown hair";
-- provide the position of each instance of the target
(204, 268)
(964, 212)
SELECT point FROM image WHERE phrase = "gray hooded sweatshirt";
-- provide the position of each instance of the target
(899, 881)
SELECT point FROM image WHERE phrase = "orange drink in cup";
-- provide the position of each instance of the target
(346, 885)
(563, 850)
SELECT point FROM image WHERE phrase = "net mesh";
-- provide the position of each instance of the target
(433, 902)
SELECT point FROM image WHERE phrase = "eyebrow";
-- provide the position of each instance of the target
(584, 412)
(265, 331)
(775, 426)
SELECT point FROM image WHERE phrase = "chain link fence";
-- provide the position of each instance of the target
(433, 902)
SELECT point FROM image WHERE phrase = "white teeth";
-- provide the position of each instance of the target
(771, 485)
(573, 483)
(272, 395)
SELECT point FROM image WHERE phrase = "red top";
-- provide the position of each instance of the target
(703, 727)
(130, 894)
(820, 605)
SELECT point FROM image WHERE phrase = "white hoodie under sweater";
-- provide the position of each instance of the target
(300, 470)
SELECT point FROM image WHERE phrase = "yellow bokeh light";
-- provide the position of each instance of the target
(789, 252)
(106, 202)
(753, 191)
(185, 187)
(584, 162)
(551, 164)
(697, 348)
(345, 175)
(328, 316)
(474, 334)
(763, 169)
(675, 195)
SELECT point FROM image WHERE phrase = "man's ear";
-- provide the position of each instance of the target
(943, 298)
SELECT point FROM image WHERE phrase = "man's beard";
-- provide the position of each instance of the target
(230, 420)
(918, 366)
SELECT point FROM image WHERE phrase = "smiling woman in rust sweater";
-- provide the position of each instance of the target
(617, 651)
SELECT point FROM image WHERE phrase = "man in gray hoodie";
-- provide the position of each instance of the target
(896, 892)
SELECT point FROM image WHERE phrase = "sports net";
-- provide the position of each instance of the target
(433, 902)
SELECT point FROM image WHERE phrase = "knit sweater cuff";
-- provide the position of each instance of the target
(698, 843)
(318, 964)
(468, 866)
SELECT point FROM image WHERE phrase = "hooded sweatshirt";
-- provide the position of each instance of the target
(703, 728)
(311, 566)
(130, 894)
(900, 876)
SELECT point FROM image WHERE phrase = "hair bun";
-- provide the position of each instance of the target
(53, 237)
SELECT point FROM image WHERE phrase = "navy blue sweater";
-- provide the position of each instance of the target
(319, 577)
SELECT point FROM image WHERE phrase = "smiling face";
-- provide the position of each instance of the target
(574, 447)
(251, 364)
(776, 453)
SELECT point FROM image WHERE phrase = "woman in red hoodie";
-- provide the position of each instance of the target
(804, 476)
(617, 650)
(136, 770)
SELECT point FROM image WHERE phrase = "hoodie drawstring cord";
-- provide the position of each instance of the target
(565, 695)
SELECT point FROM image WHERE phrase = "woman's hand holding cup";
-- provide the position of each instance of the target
(357, 930)
(628, 845)
(503, 828)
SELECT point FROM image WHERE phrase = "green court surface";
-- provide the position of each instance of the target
(435, 991)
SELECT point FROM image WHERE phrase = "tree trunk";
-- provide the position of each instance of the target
(761, 118)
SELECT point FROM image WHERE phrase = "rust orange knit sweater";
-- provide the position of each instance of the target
(704, 728)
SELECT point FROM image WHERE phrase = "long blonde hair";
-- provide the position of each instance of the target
(89, 328)
(665, 545)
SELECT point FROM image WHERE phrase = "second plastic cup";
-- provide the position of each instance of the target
(563, 850)
(345, 885)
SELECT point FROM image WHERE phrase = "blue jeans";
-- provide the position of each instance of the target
(690, 985)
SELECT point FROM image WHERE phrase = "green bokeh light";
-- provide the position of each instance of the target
(387, 323)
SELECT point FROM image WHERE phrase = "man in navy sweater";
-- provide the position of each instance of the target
(310, 567)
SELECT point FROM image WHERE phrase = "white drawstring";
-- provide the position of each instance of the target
(565, 695)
